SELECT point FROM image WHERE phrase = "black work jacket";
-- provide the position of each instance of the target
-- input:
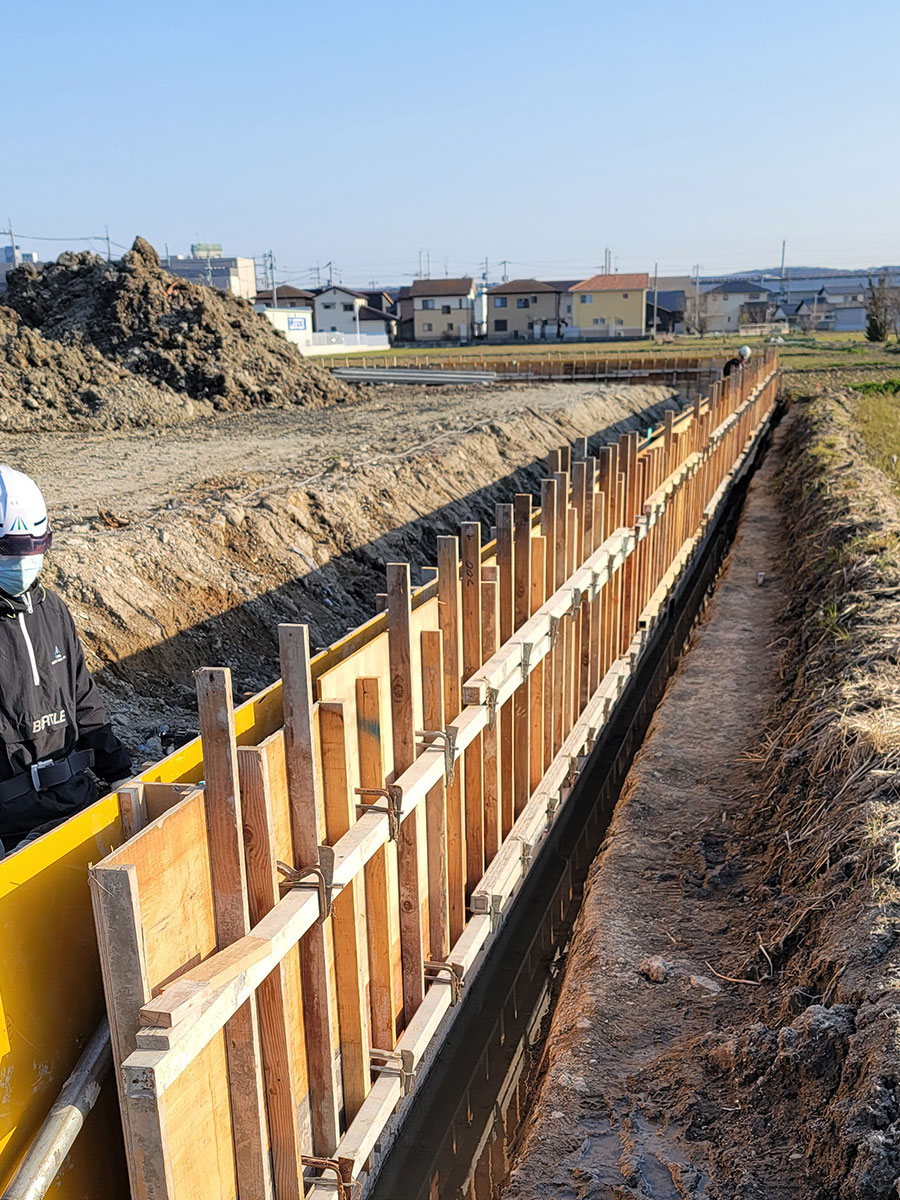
(49, 707)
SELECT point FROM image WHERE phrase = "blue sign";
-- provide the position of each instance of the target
(298, 323)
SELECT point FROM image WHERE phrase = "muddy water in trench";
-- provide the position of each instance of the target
(460, 1143)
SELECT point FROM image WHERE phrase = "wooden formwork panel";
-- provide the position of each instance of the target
(242, 1024)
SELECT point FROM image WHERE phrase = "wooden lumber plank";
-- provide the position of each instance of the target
(536, 679)
(382, 903)
(227, 862)
(504, 516)
(411, 839)
(521, 727)
(117, 918)
(470, 550)
(490, 738)
(551, 669)
(282, 1088)
(435, 801)
(349, 936)
(451, 633)
(307, 829)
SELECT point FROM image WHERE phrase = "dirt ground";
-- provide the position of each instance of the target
(729, 1020)
(215, 532)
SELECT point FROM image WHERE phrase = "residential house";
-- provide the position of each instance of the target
(443, 309)
(344, 310)
(720, 306)
(523, 308)
(670, 305)
(284, 296)
(403, 308)
(610, 306)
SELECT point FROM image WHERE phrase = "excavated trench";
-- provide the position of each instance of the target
(697, 995)
(484, 1087)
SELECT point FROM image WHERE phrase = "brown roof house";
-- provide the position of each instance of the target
(284, 296)
(523, 308)
(443, 309)
(610, 306)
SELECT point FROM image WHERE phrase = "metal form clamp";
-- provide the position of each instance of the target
(492, 694)
(552, 806)
(347, 1189)
(394, 797)
(526, 661)
(397, 1062)
(572, 771)
(448, 738)
(455, 978)
(554, 631)
(527, 853)
(322, 872)
(577, 597)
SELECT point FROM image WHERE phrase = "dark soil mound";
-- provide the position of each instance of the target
(126, 343)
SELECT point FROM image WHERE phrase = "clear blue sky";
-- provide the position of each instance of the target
(537, 132)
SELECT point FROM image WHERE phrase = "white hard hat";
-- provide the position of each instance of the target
(745, 352)
(24, 526)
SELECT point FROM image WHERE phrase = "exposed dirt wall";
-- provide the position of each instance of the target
(282, 518)
(729, 1023)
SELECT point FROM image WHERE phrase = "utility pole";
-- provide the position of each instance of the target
(485, 275)
(697, 296)
(108, 250)
(209, 274)
(655, 296)
(274, 287)
(420, 275)
(607, 261)
(15, 249)
(504, 263)
(168, 259)
(429, 265)
(783, 244)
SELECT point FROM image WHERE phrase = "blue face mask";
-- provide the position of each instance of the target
(18, 574)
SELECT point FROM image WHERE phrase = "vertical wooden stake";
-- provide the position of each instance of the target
(493, 831)
(308, 828)
(382, 903)
(521, 726)
(340, 815)
(411, 841)
(507, 599)
(470, 544)
(548, 531)
(435, 801)
(536, 682)
(272, 998)
(232, 916)
(451, 626)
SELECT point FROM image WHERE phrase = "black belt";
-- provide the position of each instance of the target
(47, 774)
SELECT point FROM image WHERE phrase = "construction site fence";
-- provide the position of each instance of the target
(293, 917)
(561, 366)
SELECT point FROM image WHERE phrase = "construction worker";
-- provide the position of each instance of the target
(53, 723)
(737, 363)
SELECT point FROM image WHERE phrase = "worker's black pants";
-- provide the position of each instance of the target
(28, 816)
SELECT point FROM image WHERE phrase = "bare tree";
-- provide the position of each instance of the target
(697, 312)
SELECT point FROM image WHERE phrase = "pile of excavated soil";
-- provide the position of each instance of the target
(113, 345)
(729, 1023)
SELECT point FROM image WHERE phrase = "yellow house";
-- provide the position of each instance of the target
(610, 306)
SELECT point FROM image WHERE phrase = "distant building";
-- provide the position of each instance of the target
(443, 309)
(670, 306)
(344, 310)
(523, 308)
(9, 255)
(720, 306)
(236, 275)
(403, 308)
(284, 296)
(610, 306)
